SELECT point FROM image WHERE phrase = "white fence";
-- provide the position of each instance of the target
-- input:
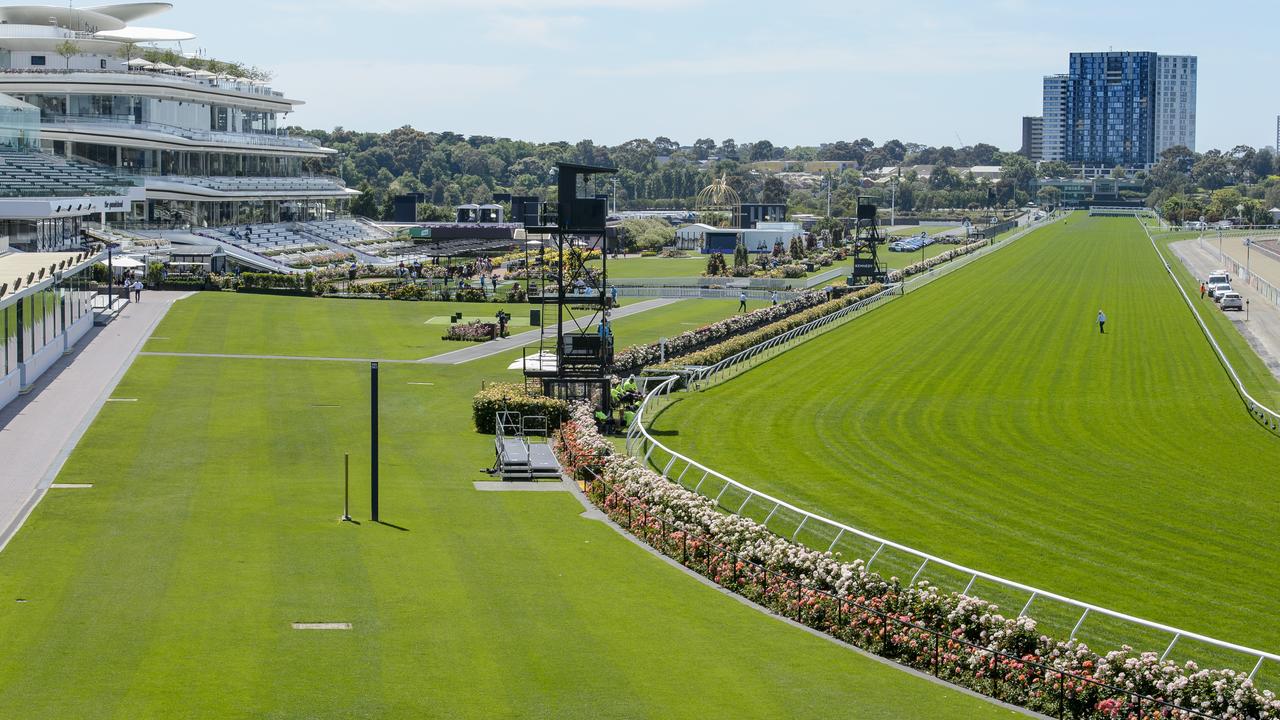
(825, 534)
(1267, 417)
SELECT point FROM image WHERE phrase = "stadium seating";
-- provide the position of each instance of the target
(36, 174)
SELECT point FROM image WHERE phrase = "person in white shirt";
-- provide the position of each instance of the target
(1102, 322)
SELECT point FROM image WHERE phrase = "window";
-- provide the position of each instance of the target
(37, 60)
(102, 64)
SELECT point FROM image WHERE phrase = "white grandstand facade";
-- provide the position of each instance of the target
(207, 148)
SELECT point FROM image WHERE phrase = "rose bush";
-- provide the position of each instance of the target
(962, 639)
(636, 357)
(936, 260)
(738, 343)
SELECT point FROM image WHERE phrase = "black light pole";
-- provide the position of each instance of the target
(373, 439)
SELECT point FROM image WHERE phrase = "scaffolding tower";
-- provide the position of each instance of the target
(575, 347)
(867, 268)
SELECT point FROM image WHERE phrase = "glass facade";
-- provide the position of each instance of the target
(1175, 102)
(1111, 108)
(32, 323)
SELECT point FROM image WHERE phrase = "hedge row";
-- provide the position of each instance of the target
(514, 397)
(736, 344)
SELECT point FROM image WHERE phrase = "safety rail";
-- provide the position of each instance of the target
(697, 377)
(735, 497)
(1265, 416)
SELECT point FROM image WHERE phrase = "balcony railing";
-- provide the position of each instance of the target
(211, 136)
(222, 84)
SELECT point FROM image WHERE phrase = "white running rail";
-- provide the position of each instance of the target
(734, 497)
(1265, 416)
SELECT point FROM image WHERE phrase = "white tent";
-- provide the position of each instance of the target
(163, 67)
(122, 262)
(140, 63)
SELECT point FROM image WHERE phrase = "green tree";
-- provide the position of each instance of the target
(1049, 196)
(67, 49)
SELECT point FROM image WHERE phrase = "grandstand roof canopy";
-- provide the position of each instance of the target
(16, 266)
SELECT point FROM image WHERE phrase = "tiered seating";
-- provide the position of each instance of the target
(35, 174)
(347, 232)
(278, 242)
(259, 184)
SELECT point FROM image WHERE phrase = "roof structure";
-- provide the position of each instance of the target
(104, 22)
(17, 267)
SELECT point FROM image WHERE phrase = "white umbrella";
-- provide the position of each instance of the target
(163, 67)
(126, 262)
(204, 74)
(140, 63)
(184, 70)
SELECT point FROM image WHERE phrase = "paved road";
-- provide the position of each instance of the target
(1262, 329)
(39, 430)
(484, 350)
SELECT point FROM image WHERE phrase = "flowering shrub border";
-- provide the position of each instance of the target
(936, 260)
(474, 331)
(636, 357)
(738, 343)
(959, 638)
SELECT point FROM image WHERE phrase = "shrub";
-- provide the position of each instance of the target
(738, 343)
(793, 271)
(515, 397)
(716, 266)
(474, 331)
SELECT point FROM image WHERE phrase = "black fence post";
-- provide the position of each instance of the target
(373, 437)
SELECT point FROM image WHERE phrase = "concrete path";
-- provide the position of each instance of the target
(39, 430)
(1262, 329)
(515, 342)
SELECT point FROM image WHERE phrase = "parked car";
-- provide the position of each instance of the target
(1216, 290)
(1231, 301)
(1218, 276)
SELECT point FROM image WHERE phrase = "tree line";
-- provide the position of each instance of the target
(449, 169)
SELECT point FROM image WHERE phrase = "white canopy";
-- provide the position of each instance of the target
(163, 66)
(125, 262)
(203, 74)
(541, 361)
(184, 70)
(140, 63)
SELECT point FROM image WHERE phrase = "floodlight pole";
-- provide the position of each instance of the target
(373, 440)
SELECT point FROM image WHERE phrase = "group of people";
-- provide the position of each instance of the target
(132, 285)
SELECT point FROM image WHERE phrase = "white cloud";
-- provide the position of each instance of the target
(545, 31)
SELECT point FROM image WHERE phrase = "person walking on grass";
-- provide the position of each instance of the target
(742, 302)
(1202, 291)
(774, 298)
(1102, 322)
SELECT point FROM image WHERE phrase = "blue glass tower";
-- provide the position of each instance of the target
(1110, 109)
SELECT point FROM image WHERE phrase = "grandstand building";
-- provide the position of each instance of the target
(206, 145)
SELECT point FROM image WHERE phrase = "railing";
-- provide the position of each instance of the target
(737, 498)
(759, 352)
(1269, 292)
(1265, 416)
(1034, 684)
(210, 136)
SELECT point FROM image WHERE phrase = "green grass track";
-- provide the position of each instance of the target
(985, 420)
(168, 588)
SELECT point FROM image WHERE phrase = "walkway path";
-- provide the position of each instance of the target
(39, 430)
(1262, 329)
(484, 350)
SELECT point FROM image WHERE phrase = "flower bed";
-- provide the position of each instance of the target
(961, 639)
(738, 343)
(514, 397)
(474, 331)
(636, 357)
(936, 260)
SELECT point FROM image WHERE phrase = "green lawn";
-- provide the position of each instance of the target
(168, 589)
(657, 267)
(899, 260)
(984, 419)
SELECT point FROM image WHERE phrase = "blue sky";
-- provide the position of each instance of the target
(795, 72)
